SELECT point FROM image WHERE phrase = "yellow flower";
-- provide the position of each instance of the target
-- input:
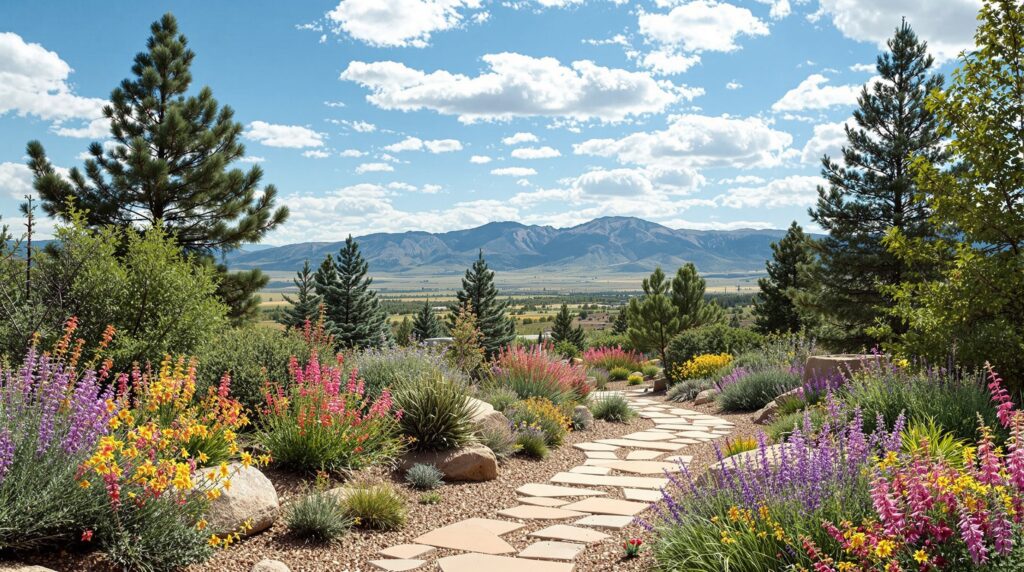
(884, 548)
(201, 525)
(84, 484)
(203, 457)
(858, 540)
(921, 556)
(246, 459)
(845, 566)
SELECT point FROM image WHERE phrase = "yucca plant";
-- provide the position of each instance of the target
(436, 414)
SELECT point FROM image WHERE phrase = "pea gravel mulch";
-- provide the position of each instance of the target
(460, 501)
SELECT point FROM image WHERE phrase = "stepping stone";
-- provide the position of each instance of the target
(696, 434)
(688, 441)
(397, 564)
(642, 495)
(685, 459)
(656, 445)
(542, 501)
(406, 551)
(645, 436)
(570, 533)
(493, 525)
(532, 512)
(676, 427)
(716, 422)
(466, 537)
(478, 562)
(601, 455)
(611, 521)
(638, 467)
(643, 455)
(609, 481)
(552, 550)
(683, 412)
(591, 470)
(539, 490)
(595, 447)
(609, 506)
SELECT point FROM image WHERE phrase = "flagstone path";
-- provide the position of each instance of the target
(636, 463)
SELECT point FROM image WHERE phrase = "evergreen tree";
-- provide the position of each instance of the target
(170, 164)
(326, 274)
(774, 310)
(653, 319)
(873, 191)
(688, 298)
(403, 332)
(478, 292)
(562, 330)
(354, 314)
(425, 325)
(466, 351)
(306, 304)
(621, 323)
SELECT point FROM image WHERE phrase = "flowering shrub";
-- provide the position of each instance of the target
(542, 414)
(612, 357)
(705, 365)
(319, 421)
(535, 372)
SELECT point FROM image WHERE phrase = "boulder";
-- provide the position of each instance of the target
(18, 567)
(660, 383)
(773, 453)
(470, 463)
(269, 565)
(827, 365)
(582, 414)
(767, 413)
(485, 416)
(706, 396)
(251, 499)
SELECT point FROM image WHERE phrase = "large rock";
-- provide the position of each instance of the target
(773, 453)
(251, 499)
(818, 367)
(269, 565)
(470, 463)
(766, 414)
(706, 396)
(660, 383)
(18, 567)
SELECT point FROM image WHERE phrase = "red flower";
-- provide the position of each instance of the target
(87, 536)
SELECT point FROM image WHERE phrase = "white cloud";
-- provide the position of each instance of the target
(864, 68)
(432, 145)
(479, 159)
(513, 172)
(791, 191)
(733, 85)
(520, 138)
(316, 154)
(535, 153)
(742, 180)
(334, 103)
(16, 180)
(352, 153)
(779, 8)
(398, 23)
(358, 126)
(697, 141)
(828, 139)
(290, 136)
(812, 93)
(34, 82)
(647, 182)
(407, 144)
(948, 25)
(374, 168)
(425, 189)
(702, 25)
(668, 62)
(516, 85)
(251, 159)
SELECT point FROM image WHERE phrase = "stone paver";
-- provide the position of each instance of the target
(466, 537)
(609, 481)
(655, 445)
(543, 501)
(609, 506)
(539, 490)
(552, 550)
(637, 467)
(569, 533)
(600, 455)
(406, 551)
(686, 459)
(643, 455)
(648, 436)
(478, 562)
(398, 564)
(533, 512)
(591, 470)
(611, 521)
(642, 495)
(595, 447)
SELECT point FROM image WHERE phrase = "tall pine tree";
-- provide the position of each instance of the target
(563, 331)
(306, 303)
(171, 163)
(621, 323)
(354, 314)
(873, 191)
(479, 293)
(688, 298)
(774, 310)
(425, 324)
(653, 318)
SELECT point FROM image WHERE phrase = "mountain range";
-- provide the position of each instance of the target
(611, 244)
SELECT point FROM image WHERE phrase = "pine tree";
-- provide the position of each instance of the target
(562, 330)
(425, 324)
(653, 319)
(403, 332)
(325, 275)
(688, 298)
(170, 164)
(466, 351)
(306, 304)
(354, 314)
(497, 330)
(621, 323)
(774, 310)
(873, 191)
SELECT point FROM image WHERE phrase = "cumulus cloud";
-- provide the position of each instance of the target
(513, 172)
(252, 159)
(289, 136)
(374, 168)
(398, 23)
(813, 93)
(791, 191)
(698, 141)
(519, 138)
(702, 25)
(779, 8)
(480, 159)
(733, 85)
(644, 182)
(668, 62)
(15, 180)
(352, 153)
(34, 82)
(828, 139)
(948, 26)
(517, 85)
(432, 145)
(316, 154)
(535, 153)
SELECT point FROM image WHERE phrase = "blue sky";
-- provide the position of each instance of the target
(393, 115)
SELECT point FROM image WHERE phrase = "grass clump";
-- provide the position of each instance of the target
(500, 398)
(618, 374)
(424, 477)
(318, 516)
(754, 391)
(430, 497)
(435, 414)
(650, 370)
(635, 379)
(688, 389)
(498, 439)
(375, 506)
(738, 445)
(532, 443)
(582, 419)
(544, 415)
(612, 408)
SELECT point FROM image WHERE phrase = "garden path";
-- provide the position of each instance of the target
(635, 463)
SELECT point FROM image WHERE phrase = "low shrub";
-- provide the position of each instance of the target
(319, 516)
(396, 367)
(537, 373)
(607, 339)
(532, 442)
(618, 374)
(756, 390)
(738, 445)
(542, 414)
(375, 506)
(705, 365)
(581, 419)
(424, 477)
(754, 360)
(613, 408)
(499, 397)
(635, 379)
(809, 421)
(499, 439)
(613, 357)
(321, 422)
(567, 349)
(431, 497)
(436, 415)
(717, 339)
(650, 370)
(601, 377)
(687, 389)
